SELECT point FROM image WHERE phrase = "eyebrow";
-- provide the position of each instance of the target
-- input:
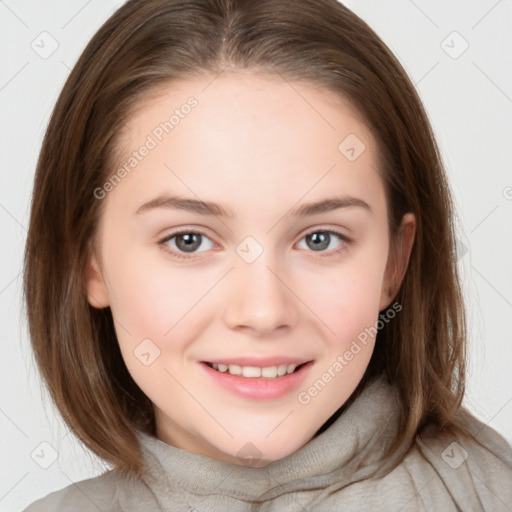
(209, 208)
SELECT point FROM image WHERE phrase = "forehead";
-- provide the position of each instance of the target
(249, 136)
(265, 100)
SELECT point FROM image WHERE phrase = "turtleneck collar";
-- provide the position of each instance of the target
(349, 450)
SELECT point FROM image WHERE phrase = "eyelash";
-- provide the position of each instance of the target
(323, 254)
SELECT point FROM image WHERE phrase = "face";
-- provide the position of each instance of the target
(245, 256)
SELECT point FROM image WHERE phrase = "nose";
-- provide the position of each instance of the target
(259, 300)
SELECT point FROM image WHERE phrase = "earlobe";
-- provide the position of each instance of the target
(97, 293)
(398, 260)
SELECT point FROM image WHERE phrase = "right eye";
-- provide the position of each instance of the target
(185, 242)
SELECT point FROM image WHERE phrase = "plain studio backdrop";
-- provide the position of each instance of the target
(458, 56)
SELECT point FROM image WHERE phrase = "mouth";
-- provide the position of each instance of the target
(259, 379)
(256, 372)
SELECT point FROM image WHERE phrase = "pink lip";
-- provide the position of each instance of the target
(258, 388)
(260, 362)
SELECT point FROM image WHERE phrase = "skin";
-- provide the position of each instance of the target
(259, 147)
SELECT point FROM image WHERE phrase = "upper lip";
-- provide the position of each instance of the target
(259, 362)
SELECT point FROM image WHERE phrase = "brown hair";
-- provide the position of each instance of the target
(149, 43)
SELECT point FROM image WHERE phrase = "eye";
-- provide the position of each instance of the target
(186, 242)
(323, 241)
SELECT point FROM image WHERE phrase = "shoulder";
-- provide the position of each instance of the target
(94, 494)
(474, 472)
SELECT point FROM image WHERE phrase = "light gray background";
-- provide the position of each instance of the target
(468, 98)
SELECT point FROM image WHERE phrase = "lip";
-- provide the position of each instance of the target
(259, 388)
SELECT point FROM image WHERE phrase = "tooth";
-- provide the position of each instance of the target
(251, 371)
(281, 370)
(234, 369)
(269, 372)
(291, 368)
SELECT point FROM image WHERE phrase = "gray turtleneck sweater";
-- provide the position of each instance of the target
(338, 470)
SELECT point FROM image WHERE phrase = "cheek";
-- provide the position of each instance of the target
(149, 297)
(348, 299)
(153, 299)
(153, 307)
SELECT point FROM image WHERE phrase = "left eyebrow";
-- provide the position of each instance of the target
(330, 204)
(209, 208)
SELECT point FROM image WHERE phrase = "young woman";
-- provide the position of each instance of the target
(240, 271)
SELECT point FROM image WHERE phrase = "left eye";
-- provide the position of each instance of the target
(321, 240)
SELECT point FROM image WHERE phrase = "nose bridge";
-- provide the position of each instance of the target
(258, 298)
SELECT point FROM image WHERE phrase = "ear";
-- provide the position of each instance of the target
(97, 292)
(398, 260)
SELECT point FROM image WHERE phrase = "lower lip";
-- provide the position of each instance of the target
(257, 387)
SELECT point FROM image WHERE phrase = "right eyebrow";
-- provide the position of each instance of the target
(188, 204)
